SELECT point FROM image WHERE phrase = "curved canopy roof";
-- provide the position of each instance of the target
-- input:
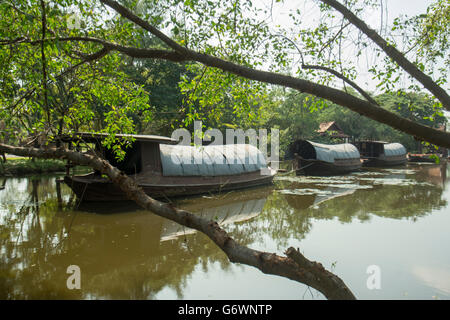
(394, 149)
(212, 160)
(329, 153)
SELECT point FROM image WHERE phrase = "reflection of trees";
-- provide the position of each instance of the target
(282, 222)
(124, 258)
(390, 201)
(120, 255)
(31, 233)
(289, 216)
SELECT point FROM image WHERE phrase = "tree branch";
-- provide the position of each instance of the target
(313, 275)
(145, 25)
(344, 78)
(109, 46)
(365, 108)
(333, 38)
(86, 58)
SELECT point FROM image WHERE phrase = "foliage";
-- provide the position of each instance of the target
(27, 166)
(81, 96)
(299, 118)
(56, 81)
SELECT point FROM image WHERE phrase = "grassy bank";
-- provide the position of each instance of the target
(22, 166)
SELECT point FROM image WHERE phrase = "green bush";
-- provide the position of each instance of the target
(23, 166)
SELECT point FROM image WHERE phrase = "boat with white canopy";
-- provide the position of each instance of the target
(163, 169)
(313, 158)
(381, 154)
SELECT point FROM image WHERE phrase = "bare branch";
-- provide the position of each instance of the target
(344, 78)
(393, 53)
(108, 46)
(333, 38)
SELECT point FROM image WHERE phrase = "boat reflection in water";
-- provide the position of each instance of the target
(123, 251)
(432, 173)
(395, 193)
(223, 214)
(224, 209)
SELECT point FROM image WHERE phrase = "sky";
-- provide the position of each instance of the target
(408, 7)
(396, 8)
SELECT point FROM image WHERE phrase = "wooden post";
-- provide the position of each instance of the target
(58, 193)
(69, 145)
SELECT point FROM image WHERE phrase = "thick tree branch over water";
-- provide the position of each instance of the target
(295, 266)
(339, 97)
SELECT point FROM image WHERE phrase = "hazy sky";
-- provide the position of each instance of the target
(409, 7)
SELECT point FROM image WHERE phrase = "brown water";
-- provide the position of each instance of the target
(397, 219)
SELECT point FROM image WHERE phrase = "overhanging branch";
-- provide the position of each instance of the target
(179, 53)
(344, 78)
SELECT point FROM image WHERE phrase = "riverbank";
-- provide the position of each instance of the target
(23, 166)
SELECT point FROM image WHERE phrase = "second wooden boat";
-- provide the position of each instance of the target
(381, 154)
(313, 158)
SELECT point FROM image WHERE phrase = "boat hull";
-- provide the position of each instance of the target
(385, 161)
(88, 189)
(322, 168)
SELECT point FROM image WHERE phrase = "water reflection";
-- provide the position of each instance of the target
(393, 193)
(129, 253)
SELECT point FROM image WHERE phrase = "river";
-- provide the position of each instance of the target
(394, 220)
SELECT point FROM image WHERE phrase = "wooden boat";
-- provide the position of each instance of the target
(313, 158)
(381, 154)
(164, 170)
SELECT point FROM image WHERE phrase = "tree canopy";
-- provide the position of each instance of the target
(150, 66)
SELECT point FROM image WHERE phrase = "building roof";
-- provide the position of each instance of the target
(331, 126)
